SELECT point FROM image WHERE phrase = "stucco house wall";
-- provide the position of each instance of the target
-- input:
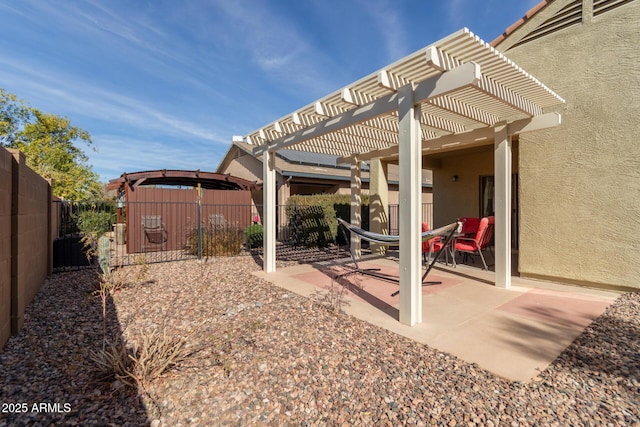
(461, 198)
(580, 182)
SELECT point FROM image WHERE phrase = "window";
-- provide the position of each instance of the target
(487, 203)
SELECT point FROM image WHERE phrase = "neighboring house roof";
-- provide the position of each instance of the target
(207, 180)
(303, 164)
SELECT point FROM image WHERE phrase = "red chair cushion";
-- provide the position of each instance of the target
(438, 245)
(466, 246)
(425, 243)
(469, 225)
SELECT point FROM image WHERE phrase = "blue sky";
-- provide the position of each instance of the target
(166, 84)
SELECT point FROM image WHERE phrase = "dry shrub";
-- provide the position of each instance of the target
(334, 298)
(155, 353)
(215, 240)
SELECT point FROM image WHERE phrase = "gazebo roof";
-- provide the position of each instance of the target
(207, 180)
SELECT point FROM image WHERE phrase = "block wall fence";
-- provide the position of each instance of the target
(25, 239)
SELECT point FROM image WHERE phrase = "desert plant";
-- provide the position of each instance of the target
(253, 235)
(334, 298)
(152, 355)
(114, 279)
(215, 240)
(93, 223)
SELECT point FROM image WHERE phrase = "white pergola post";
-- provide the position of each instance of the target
(502, 227)
(269, 209)
(356, 210)
(378, 201)
(410, 160)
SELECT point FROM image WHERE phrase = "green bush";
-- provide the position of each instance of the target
(217, 240)
(95, 223)
(253, 235)
(313, 218)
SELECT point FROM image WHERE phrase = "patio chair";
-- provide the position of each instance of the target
(477, 243)
(431, 246)
(216, 220)
(469, 225)
(153, 232)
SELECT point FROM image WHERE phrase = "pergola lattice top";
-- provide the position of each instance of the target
(363, 116)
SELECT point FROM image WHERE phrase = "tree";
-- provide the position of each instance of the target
(49, 145)
(13, 115)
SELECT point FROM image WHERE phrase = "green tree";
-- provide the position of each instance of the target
(13, 115)
(49, 145)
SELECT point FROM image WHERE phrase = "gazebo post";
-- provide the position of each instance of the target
(410, 142)
(269, 208)
(502, 196)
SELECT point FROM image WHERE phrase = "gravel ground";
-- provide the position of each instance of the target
(269, 357)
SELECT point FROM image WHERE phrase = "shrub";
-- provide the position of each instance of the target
(313, 218)
(147, 359)
(216, 240)
(253, 235)
(93, 223)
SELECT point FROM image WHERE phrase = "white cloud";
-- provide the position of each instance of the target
(117, 154)
(275, 45)
(390, 26)
(84, 99)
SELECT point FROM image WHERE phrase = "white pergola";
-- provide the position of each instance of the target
(456, 93)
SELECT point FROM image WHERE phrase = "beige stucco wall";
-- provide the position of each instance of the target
(245, 167)
(580, 182)
(453, 200)
(5, 245)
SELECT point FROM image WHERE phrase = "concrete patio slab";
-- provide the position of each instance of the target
(515, 333)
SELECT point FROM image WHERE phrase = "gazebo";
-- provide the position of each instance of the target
(456, 93)
(179, 199)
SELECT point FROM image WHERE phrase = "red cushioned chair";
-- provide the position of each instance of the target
(431, 246)
(475, 244)
(469, 226)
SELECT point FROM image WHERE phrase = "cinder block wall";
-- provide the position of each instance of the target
(25, 239)
(6, 160)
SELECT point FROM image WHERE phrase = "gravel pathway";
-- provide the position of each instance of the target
(273, 358)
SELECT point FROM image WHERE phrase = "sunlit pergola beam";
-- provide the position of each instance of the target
(463, 76)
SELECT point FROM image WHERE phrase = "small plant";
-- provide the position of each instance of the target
(114, 361)
(334, 298)
(155, 353)
(253, 235)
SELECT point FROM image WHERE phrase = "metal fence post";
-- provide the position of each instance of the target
(199, 222)
(295, 225)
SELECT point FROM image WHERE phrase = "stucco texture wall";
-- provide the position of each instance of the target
(246, 167)
(5, 245)
(580, 182)
(453, 200)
